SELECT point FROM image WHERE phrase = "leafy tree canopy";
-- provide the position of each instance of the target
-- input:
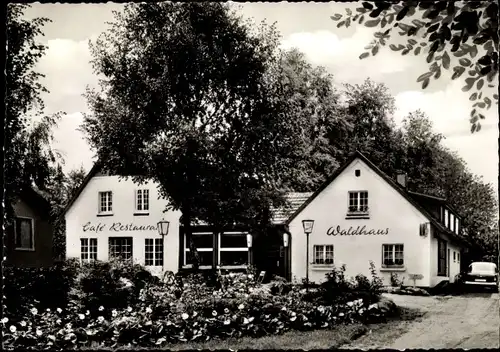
(458, 36)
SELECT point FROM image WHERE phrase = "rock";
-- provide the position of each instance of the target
(386, 305)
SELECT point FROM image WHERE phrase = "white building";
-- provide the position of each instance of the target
(360, 215)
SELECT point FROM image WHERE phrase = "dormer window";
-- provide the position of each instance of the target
(457, 226)
(446, 217)
(358, 204)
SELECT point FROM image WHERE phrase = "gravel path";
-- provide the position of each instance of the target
(467, 321)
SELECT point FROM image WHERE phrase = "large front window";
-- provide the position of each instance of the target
(393, 256)
(358, 202)
(153, 252)
(120, 247)
(88, 249)
(232, 250)
(24, 233)
(442, 258)
(323, 254)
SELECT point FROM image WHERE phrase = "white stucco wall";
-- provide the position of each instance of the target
(85, 210)
(388, 209)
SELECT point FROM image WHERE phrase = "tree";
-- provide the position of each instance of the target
(191, 99)
(466, 30)
(27, 147)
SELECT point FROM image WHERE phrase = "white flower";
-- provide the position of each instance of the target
(245, 321)
(114, 313)
(185, 316)
(13, 328)
(250, 276)
(81, 316)
(100, 318)
(59, 310)
(241, 306)
(22, 323)
(227, 322)
(293, 318)
(350, 304)
(34, 311)
(39, 332)
(341, 314)
(101, 308)
(321, 309)
(195, 313)
(226, 310)
(284, 308)
(48, 309)
(129, 309)
(87, 313)
(149, 310)
(293, 314)
(361, 311)
(4, 320)
(251, 319)
(58, 321)
(214, 313)
(371, 306)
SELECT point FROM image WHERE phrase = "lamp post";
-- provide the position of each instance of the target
(286, 239)
(308, 228)
(249, 246)
(163, 231)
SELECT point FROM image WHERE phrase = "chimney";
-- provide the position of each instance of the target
(402, 179)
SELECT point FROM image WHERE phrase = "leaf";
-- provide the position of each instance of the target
(417, 50)
(433, 28)
(481, 116)
(473, 51)
(430, 57)
(406, 51)
(472, 112)
(495, 96)
(361, 19)
(340, 24)
(363, 56)
(424, 76)
(464, 61)
(336, 17)
(485, 70)
(480, 84)
(375, 50)
(478, 127)
(425, 83)
(367, 5)
(446, 60)
(473, 97)
(372, 23)
(412, 41)
(438, 73)
(348, 11)
(468, 86)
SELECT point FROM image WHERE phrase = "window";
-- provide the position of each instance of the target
(88, 249)
(456, 226)
(357, 173)
(24, 233)
(446, 217)
(358, 202)
(105, 202)
(233, 249)
(142, 200)
(154, 252)
(204, 245)
(454, 256)
(392, 256)
(441, 257)
(452, 222)
(323, 254)
(120, 248)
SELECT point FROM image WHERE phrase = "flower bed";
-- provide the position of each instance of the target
(191, 309)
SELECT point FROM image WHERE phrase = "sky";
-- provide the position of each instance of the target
(306, 26)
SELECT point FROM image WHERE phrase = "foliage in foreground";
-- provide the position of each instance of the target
(158, 312)
(466, 30)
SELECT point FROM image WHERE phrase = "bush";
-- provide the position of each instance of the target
(43, 287)
(114, 284)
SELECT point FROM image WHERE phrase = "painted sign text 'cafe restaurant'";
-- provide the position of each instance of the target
(358, 215)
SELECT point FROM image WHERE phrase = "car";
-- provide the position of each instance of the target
(483, 274)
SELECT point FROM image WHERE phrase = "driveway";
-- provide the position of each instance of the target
(471, 320)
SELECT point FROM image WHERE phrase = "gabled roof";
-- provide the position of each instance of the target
(95, 169)
(295, 200)
(403, 192)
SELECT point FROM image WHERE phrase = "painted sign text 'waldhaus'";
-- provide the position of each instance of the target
(360, 230)
(117, 227)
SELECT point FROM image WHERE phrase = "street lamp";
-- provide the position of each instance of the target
(308, 228)
(249, 246)
(163, 231)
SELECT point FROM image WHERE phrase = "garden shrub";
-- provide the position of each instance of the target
(46, 287)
